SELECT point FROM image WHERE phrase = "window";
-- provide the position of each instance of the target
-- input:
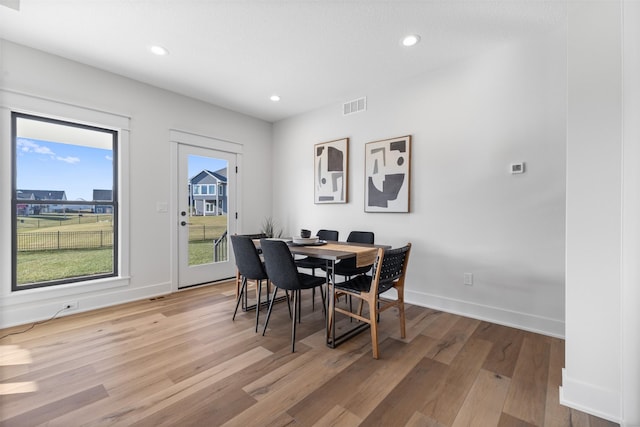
(212, 189)
(65, 202)
(203, 189)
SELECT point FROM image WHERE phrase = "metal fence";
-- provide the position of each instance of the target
(221, 248)
(54, 240)
(44, 221)
(198, 232)
(64, 240)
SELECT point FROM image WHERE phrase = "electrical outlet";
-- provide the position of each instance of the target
(71, 305)
(468, 279)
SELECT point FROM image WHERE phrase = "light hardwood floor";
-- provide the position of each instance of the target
(179, 360)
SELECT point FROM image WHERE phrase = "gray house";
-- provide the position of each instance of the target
(103, 196)
(24, 208)
(208, 193)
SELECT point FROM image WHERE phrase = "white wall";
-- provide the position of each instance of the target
(152, 113)
(630, 315)
(602, 375)
(468, 121)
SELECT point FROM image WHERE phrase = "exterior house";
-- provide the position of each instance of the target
(26, 209)
(105, 196)
(208, 193)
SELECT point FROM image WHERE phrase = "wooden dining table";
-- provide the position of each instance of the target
(332, 252)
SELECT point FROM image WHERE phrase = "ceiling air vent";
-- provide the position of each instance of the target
(354, 106)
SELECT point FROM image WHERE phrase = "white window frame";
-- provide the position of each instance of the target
(11, 101)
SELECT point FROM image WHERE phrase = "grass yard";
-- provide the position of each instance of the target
(202, 233)
(60, 222)
(200, 252)
(44, 266)
(207, 227)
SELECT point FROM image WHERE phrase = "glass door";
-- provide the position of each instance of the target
(206, 217)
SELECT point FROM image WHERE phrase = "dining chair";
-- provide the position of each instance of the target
(284, 274)
(313, 263)
(238, 275)
(347, 267)
(249, 267)
(390, 269)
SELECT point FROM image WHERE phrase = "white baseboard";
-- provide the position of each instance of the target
(590, 399)
(528, 322)
(38, 310)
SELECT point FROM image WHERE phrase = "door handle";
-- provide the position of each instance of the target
(183, 223)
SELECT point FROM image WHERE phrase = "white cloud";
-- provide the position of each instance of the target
(68, 159)
(108, 158)
(31, 147)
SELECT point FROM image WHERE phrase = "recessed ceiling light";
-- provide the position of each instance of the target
(410, 40)
(159, 50)
(275, 98)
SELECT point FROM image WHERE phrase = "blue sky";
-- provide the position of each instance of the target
(198, 163)
(78, 170)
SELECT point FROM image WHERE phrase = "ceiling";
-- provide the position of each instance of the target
(237, 53)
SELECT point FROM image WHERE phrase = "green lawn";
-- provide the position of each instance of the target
(44, 266)
(60, 222)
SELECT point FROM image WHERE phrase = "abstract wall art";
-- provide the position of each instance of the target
(330, 163)
(387, 175)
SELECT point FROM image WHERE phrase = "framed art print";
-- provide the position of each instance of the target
(387, 175)
(330, 163)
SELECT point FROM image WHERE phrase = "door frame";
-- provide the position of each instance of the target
(177, 138)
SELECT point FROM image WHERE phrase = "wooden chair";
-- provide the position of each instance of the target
(284, 274)
(389, 271)
(347, 267)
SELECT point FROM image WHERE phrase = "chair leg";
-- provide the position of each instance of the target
(243, 289)
(330, 314)
(403, 331)
(373, 308)
(324, 302)
(313, 292)
(245, 300)
(266, 322)
(259, 285)
(268, 288)
(288, 301)
(296, 300)
(238, 280)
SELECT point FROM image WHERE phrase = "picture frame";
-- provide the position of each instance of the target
(387, 185)
(330, 171)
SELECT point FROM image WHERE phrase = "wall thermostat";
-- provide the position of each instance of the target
(517, 168)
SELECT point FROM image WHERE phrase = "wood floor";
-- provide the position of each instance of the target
(179, 360)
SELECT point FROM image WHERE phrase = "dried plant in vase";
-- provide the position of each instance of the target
(269, 227)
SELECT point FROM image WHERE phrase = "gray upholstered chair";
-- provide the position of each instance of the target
(313, 263)
(250, 267)
(284, 274)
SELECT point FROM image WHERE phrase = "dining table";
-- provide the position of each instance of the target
(333, 252)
